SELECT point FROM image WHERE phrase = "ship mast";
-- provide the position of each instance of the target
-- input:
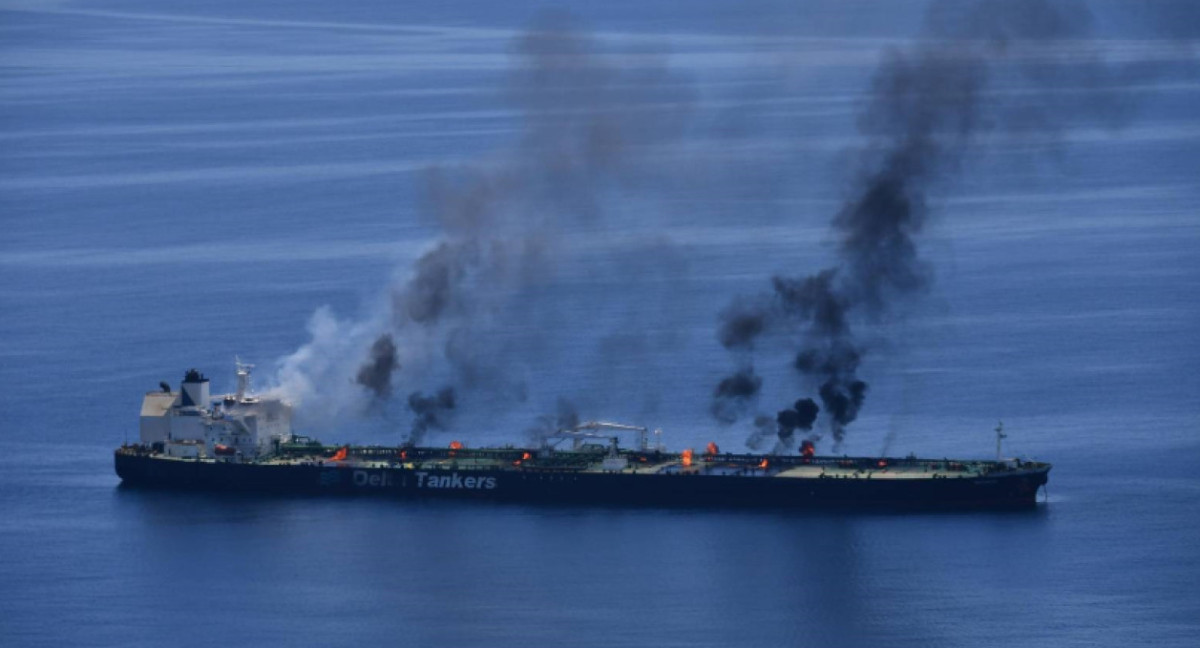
(243, 377)
(1000, 436)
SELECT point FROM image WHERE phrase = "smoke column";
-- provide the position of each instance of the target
(376, 373)
(475, 317)
(431, 411)
(566, 417)
(734, 394)
(928, 103)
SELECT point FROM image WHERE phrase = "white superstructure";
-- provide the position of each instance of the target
(192, 423)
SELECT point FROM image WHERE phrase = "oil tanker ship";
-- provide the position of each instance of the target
(242, 443)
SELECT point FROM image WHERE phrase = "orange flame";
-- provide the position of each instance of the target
(763, 465)
(807, 449)
(712, 448)
(456, 445)
(526, 457)
(340, 455)
(883, 463)
(687, 457)
(404, 454)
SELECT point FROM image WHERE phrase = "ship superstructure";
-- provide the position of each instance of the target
(192, 424)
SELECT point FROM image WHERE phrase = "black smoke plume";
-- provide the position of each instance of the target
(926, 107)
(780, 431)
(376, 373)
(742, 322)
(429, 412)
(801, 416)
(734, 394)
(765, 428)
(565, 418)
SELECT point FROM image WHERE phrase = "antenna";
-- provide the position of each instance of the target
(1000, 436)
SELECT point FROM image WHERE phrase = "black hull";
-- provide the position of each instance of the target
(1013, 490)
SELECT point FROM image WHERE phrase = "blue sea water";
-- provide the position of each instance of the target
(183, 182)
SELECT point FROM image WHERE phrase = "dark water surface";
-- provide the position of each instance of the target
(182, 183)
